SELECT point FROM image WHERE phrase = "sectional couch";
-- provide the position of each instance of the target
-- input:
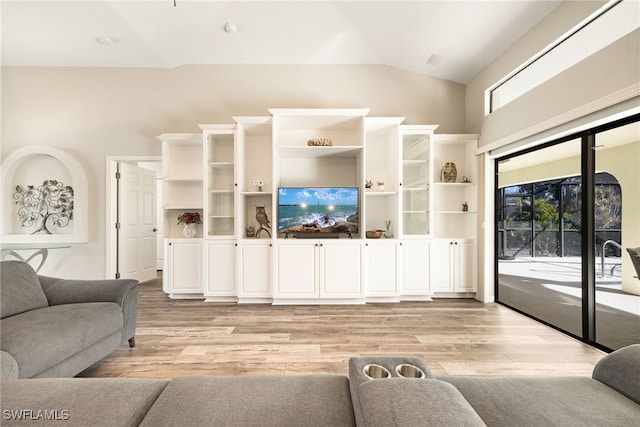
(57, 328)
(610, 398)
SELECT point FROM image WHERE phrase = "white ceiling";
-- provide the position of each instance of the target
(153, 33)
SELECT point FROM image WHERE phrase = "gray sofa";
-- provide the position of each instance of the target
(610, 398)
(57, 328)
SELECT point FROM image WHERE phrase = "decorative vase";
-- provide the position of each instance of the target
(387, 234)
(189, 231)
(449, 172)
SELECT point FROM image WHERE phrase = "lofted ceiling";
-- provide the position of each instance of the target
(452, 40)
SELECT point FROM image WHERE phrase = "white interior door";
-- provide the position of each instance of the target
(137, 245)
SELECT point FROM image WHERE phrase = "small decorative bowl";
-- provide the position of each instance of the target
(374, 234)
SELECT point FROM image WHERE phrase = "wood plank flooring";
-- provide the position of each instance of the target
(452, 336)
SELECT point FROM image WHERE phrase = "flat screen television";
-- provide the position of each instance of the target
(318, 211)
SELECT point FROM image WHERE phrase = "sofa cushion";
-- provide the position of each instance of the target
(414, 402)
(79, 402)
(20, 290)
(299, 400)
(546, 401)
(620, 370)
(56, 333)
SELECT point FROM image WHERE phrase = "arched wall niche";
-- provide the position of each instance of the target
(31, 165)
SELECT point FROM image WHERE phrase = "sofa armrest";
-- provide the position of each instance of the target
(123, 292)
(415, 402)
(9, 369)
(620, 370)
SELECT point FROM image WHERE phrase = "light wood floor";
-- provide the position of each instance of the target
(452, 336)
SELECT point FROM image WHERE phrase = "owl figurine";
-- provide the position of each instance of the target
(263, 220)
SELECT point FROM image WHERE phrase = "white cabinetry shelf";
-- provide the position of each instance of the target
(231, 174)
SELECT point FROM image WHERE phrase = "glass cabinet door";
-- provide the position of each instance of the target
(221, 185)
(415, 184)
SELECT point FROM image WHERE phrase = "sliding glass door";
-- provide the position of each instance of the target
(540, 265)
(617, 222)
(566, 212)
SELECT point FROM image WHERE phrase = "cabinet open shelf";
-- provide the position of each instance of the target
(454, 184)
(420, 185)
(221, 165)
(455, 212)
(184, 180)
(316, 152)
(256, 193)
(414, 163)
(380, 193)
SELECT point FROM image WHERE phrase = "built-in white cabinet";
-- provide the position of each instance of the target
(183, 276)
(381, 258)
(296, 272)
(254, 270)
(454, 266)
(220, 282)
(318, 269)
(236, 175)
(341, 270)
(414, 261)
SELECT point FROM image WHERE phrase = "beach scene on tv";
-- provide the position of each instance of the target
(318, 210)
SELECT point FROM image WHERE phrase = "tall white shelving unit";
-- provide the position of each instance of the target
(183, 183)
(454, 216)
(231, 171)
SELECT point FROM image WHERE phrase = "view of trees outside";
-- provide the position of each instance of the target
(544, 219)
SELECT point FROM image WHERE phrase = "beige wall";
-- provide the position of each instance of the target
(608, 77)
(94, 113)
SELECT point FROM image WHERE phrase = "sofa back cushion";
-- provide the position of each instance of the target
(620, 370)
(20, 289)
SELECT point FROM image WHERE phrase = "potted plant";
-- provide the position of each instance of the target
(190, 220)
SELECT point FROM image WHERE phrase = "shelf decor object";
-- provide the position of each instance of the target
(449, 172)
(263, 220)
(258, 183)
(190, 220)
(319, 142)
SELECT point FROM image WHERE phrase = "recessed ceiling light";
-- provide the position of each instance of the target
(434, 59)
(105, 41)
(230, 27)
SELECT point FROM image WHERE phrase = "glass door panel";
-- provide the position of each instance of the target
(617, 223)
(538, 198)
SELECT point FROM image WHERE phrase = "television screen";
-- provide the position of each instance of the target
(304, 210)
